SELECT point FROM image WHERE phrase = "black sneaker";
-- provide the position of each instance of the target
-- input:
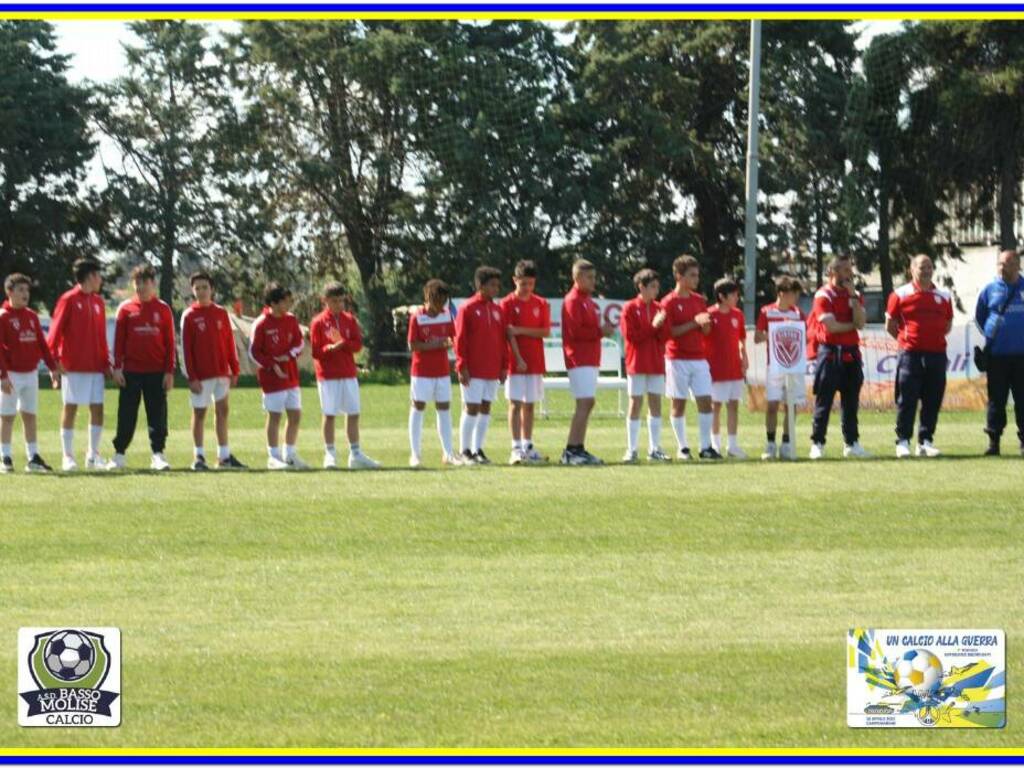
(230, 463)
(469, 458)
(36, 464)
(7, 464)
(200, 465)
(710, 454)
(993, 449)
(481, 458)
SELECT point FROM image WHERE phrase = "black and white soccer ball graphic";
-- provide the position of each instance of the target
(69, 655)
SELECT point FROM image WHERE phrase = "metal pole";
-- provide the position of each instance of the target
(750, 234)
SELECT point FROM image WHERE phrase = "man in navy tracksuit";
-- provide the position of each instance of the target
(1004, 330)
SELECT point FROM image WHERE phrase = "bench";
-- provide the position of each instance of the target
(609, 376)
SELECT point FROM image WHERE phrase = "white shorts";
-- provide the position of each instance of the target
(214, 390)
(638, 384)
(431, 389)
(283, 400)
(339, 396)
(727, 391)
(82, 388)
(583, 382)
(479, 391)
(775, 390)
(524, 388)
(686, 377)
(25, 395)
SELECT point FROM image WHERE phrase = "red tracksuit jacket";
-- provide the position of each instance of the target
(273, 337)
(207, 343)
(78, 332)
(22, 344)
(480, 343)
(144, 337)
(340, 362)
(645, 344)
(581, 330)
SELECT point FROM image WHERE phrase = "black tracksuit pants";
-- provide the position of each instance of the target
(149, 388)
(831, 376)
(920, 378)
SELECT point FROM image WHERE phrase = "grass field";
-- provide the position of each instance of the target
(621, 606)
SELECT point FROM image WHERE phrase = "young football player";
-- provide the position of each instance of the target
(686, 366)
(78, 342)
(783, 309)
(22, 346)
(642, 323)
(529, 322)
(275, 345)
(582, 331)
(144, 357)
(209, 361)
(431, 330)
(481, 352)
(726, 348)
(335, 337)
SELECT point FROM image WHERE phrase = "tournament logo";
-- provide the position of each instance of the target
(786, 346)
(69, 677)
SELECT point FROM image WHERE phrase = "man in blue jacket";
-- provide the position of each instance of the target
(1004, 328)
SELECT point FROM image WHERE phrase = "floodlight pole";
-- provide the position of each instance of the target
(750, 233)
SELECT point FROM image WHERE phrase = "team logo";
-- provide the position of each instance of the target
(201, 325)
(536, 311)
(15, 324)
(938, 299)
(735, 323)
(495, 314)
(786, 346)
(95, 309)
(69, 677)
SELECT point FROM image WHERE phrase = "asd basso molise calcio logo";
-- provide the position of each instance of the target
(69, 676)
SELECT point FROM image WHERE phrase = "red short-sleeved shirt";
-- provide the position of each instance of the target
(532, 313)
(770, 313)
(923, 317)
(830, 301)
(679, 310)
(722, 345)
(432, 363)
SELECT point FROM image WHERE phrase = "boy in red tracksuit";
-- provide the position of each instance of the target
(726, 350)
(642, 323)
(275, 345)
(582, 331)
(481, 361)
(78, 342)
(22, 346)
(209, 361)
(335, 337)
(144, 355)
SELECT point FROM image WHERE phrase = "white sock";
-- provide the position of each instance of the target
(329, 449)
(679, 427)
(734, 443)
(467, 428)
(289, 452)
(705, 420)
(198, 452)
(95, 433)
(415, 431)
(274, 451)
(480, 433)
(223, 451)
(517, 444)
(632, 434)
(716, 441)
(444, 431)
(31, 449)
(67, 440)
(5, 450)
(353, 448)
(654, 432)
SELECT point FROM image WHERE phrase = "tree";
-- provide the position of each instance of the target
(47, 216)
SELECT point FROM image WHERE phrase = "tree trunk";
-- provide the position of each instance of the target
(708, 219)
(1008, 184)
(819, 238)
(884, 261)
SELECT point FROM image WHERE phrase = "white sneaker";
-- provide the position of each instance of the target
(902, 449)
(630, 457)
(534, 457)
(159, 463)
(116, 464)
(360, 460)
(275, 463)
(771, 451)
(855, 451)
(817, 451)
(296, 463)
(787, 451)
(68, 464)
(928, 450)
(517, 456)
(684, 454)
(736, 453)
(330, 461)
(415, 463)
(95, 461)
(449, 460)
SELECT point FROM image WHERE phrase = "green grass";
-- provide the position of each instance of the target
(621, 606)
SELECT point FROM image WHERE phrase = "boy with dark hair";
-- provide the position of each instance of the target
(22, 346)
(726, 351)
(209, 361)
(529, 322)
(78, 343)
(431, 330)
(275, 345)
(335, 337)
(144, 356)
(784, 309)
(481, 354)
(643, 322)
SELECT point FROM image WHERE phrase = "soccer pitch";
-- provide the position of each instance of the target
(633, 606)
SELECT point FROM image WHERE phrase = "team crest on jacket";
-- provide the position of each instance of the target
(786, 345)
(15, 324)
(495, 314)
(735, 323)
(536, 311)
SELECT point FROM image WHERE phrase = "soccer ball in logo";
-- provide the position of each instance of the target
(920, 671)
(69, 655)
